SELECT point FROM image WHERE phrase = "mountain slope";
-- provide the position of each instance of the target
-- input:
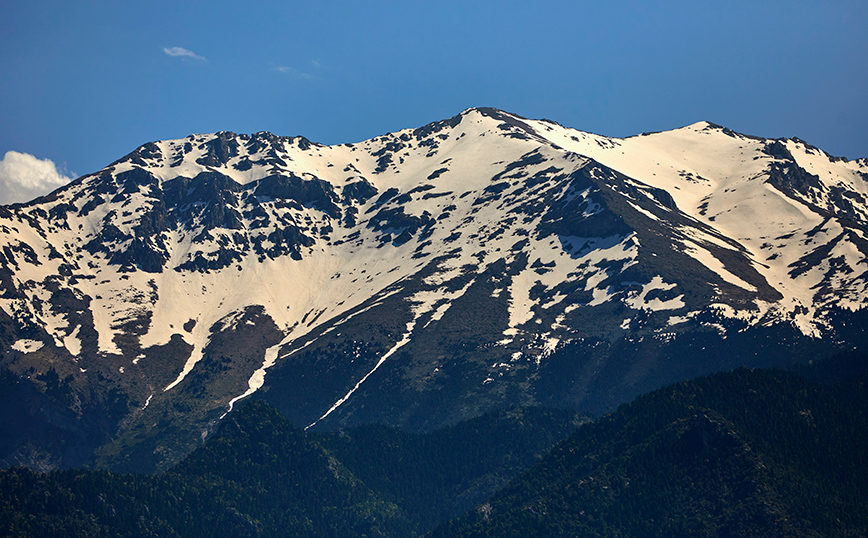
(441, 474)
(260, 476)
(746, 453)
(421, 277)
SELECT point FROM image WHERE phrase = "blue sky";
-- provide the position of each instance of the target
(85, 82)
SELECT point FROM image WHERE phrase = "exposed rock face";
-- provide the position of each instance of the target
(421, 277)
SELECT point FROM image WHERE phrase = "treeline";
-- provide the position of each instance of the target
(744, 453)
(261, 476)
(441, 475)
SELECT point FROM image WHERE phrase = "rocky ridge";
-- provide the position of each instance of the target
(417, 278)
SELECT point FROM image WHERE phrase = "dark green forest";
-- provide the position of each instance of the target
(262, 476)
(743, 453)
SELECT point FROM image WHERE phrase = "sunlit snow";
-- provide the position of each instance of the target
(463, 180)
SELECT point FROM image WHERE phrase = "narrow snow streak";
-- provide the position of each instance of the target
(719, 179)
(195, 356)
(258, 378)
(404, 340)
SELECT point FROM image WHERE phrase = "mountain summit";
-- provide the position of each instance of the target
(416, 279)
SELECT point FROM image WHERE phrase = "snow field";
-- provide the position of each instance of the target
(716, 177)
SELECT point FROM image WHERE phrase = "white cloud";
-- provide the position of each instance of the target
(181, 51)
(318, 69)
(295, 73)
(23, 177)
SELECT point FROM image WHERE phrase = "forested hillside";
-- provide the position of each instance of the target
(745, 453)
(261, 476)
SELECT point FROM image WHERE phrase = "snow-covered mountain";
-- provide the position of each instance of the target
(417, 278)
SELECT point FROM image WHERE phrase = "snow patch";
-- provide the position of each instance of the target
(639, 300)
(677, 320)
(27, 346)
(72, 343)
(258, 378)
(707, 259)
(195, 356)
(401, 343)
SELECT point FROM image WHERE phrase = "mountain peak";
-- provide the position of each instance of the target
(423, 276)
